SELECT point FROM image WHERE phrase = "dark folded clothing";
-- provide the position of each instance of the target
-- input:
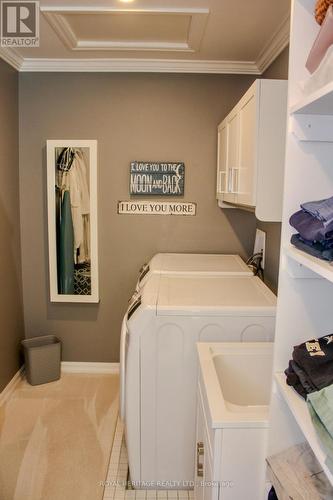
(315, 358)
(304, 379)
(310, 228)
(322, 250)
(294, 381)
(320, 245)
(311, 368)
(321, 209)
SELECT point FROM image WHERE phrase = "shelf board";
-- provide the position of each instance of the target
(299, 409)
(319, 102)
(320, 267)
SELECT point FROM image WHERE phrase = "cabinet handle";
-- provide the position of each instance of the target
(235, 179)
(200, 453)
(222, 179)
(230, 180)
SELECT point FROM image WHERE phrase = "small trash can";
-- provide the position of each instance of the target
(42, 357)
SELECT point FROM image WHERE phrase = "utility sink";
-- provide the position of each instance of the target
(237, 378)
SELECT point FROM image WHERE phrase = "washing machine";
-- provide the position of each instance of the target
(187, 263)
(159, 364)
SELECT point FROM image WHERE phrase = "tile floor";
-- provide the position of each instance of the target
(116, 480)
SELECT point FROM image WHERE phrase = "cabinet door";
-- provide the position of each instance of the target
(199, 464)
(210, 487)
(232, 158)
(246, 185)
(221, 181)
(205, 487)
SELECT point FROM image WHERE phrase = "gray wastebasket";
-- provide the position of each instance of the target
(42, 357)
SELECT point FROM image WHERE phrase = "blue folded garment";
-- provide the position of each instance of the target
(310, 228)
(321, 209)
(323, 250)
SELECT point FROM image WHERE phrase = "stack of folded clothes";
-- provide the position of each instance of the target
(311, 368)
(310, 372)
(314, 223)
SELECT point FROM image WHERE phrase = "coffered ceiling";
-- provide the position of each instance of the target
(203, 36)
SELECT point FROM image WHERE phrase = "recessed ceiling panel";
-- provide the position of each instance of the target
(178, 30)
(131, 27)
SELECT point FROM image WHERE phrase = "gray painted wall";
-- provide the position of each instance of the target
(133, 116)
(11, 310)
(277, 70)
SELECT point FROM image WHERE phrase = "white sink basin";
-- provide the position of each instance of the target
(237, 382)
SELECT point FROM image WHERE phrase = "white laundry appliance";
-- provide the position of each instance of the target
(159, 364)
(187, 263)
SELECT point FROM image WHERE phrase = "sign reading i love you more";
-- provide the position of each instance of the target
(156, 208)
(157, 178)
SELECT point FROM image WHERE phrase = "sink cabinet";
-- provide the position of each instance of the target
(204, 462)
(229, 462)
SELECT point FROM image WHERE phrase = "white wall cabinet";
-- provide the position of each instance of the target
(251, 151)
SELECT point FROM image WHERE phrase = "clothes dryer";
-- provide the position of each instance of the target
(159, 364)
(197, 264)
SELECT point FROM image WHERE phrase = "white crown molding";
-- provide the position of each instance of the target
(139, 66)
(274, 47)
(56, 17)
(271, 51)
(145, 10)
(87, 367)
(61, 28)
(11, 57)
(97, 45)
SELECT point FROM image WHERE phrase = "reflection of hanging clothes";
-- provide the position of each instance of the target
(66, 243)
(65, 159)
(76, 181)
(58, 200)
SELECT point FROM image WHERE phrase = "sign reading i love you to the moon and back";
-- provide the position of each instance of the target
(157, 178)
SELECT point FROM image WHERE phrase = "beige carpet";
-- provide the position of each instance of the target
(56, 439)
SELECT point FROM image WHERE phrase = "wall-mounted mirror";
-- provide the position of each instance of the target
(72, 220)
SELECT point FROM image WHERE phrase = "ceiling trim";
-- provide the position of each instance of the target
(57, 20)
(135, 46)
(94, 9)
(139, 66)
(271, 51)
(11, 57)
(274, 46)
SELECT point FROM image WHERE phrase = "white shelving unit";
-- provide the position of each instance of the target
(300, 412)
(306, 262)
(305, 299)
(319, 102)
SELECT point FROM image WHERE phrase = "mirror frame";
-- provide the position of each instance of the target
(51, 146)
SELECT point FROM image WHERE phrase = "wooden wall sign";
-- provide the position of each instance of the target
(132, 207)
(157, 178)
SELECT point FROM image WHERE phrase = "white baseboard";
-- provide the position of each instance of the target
(11, 386)
(86, 367)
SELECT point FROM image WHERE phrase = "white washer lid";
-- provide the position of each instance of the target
(214, 264)
(224, 295)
